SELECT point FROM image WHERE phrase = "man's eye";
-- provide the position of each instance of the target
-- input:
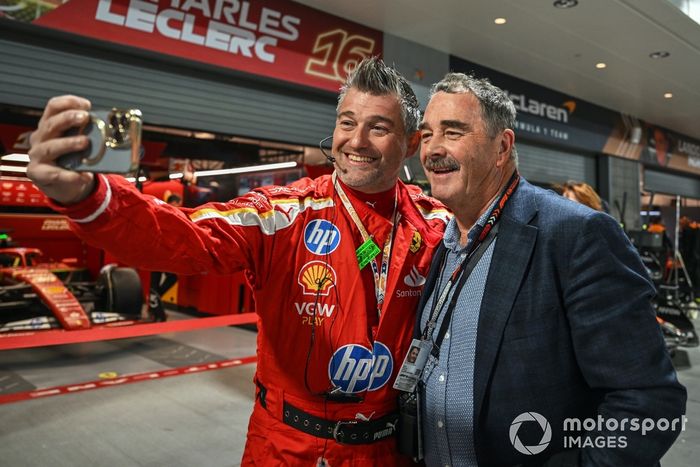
(380, 129)
(425, 136)
(450, 134)
(345, 124)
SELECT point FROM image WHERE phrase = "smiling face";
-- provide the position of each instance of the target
(369, 141)
(466, 166)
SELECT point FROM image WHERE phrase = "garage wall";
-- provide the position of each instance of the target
(671, 184)
(545, 165)
(39, 65)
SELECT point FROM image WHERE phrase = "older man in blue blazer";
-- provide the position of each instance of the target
(544, 349)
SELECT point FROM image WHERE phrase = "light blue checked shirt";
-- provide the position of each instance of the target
(448, 399)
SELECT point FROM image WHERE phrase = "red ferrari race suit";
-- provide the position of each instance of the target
(319, 330)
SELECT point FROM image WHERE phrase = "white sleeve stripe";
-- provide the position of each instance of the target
(101, 208)
(269, 222)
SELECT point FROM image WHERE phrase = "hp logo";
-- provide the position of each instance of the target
(546, 433)
(321, 237)
(353, 368)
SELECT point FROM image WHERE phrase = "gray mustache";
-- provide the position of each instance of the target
(441, 164)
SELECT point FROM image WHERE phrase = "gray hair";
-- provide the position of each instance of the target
(374, 77)
(497, 110)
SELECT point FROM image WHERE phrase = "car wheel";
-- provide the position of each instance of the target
(123, 290)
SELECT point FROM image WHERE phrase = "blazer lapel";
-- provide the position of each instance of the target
(514, 246)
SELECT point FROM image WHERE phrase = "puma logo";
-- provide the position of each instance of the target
(388, 431)
(286, 212)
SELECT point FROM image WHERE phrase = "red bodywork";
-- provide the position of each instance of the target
(22, 265)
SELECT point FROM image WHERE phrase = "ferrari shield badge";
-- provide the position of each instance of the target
(416, 242)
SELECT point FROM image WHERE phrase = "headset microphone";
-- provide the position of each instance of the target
(330, 158)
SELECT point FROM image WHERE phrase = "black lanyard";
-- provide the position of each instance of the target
(464, 269)
(467, 266)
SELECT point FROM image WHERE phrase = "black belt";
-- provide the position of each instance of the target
(342, 431)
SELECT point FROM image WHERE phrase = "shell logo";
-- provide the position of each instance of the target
(317, 278)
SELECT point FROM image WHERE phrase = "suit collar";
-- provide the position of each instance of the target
(522, 207)
(513, 250)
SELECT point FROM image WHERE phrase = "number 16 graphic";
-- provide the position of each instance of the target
(335, 54)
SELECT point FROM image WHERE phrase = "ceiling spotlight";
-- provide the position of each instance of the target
(659, 54)
(500, 21)
(668, 95)
(565, 3)
(600, 65)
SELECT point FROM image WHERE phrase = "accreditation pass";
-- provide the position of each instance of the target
(413, 365)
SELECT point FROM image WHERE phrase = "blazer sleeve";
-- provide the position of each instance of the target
(619, 346)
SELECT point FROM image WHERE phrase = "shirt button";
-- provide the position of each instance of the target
(440, 424)
(441, 378)
(447, 335)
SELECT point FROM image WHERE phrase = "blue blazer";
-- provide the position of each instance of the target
(566, 329)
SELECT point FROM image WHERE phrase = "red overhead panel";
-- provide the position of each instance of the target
(274, 38)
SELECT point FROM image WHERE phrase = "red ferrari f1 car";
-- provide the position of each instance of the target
(39, 295)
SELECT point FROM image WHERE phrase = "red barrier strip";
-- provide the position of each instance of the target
(59, 336)
(126, 379)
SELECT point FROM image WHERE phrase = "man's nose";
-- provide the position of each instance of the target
(359, 138)
(433, 147)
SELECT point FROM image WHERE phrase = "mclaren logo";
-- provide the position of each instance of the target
(317, 278)
(527, 105)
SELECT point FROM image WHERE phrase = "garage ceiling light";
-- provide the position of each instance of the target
(565, 3)
(600, 65)
(240, 170)
(500, 21)
(659, 54)
(668, 95)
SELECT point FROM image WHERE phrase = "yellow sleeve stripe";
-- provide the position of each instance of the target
(269, 221)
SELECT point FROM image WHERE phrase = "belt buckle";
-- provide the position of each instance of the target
(338, 426)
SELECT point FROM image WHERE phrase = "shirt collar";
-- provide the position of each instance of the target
(452, 233)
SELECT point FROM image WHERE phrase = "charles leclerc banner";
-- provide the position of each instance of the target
(275, 38)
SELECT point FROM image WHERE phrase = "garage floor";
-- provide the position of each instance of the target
(187, 420)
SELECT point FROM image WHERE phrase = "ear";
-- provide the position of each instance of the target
(507, 140)
(413, 143)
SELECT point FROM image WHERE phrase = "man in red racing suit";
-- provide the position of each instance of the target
(331, 334)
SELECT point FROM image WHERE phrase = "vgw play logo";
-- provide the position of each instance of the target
(354, 368)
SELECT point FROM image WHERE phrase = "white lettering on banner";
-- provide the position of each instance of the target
(217, 24)
(691, 150)
(531, 106)
(688, 148)
(541, 130)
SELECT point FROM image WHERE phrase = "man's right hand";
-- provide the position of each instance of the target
(48, 143)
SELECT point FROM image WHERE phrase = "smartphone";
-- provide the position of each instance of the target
(114, 143)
